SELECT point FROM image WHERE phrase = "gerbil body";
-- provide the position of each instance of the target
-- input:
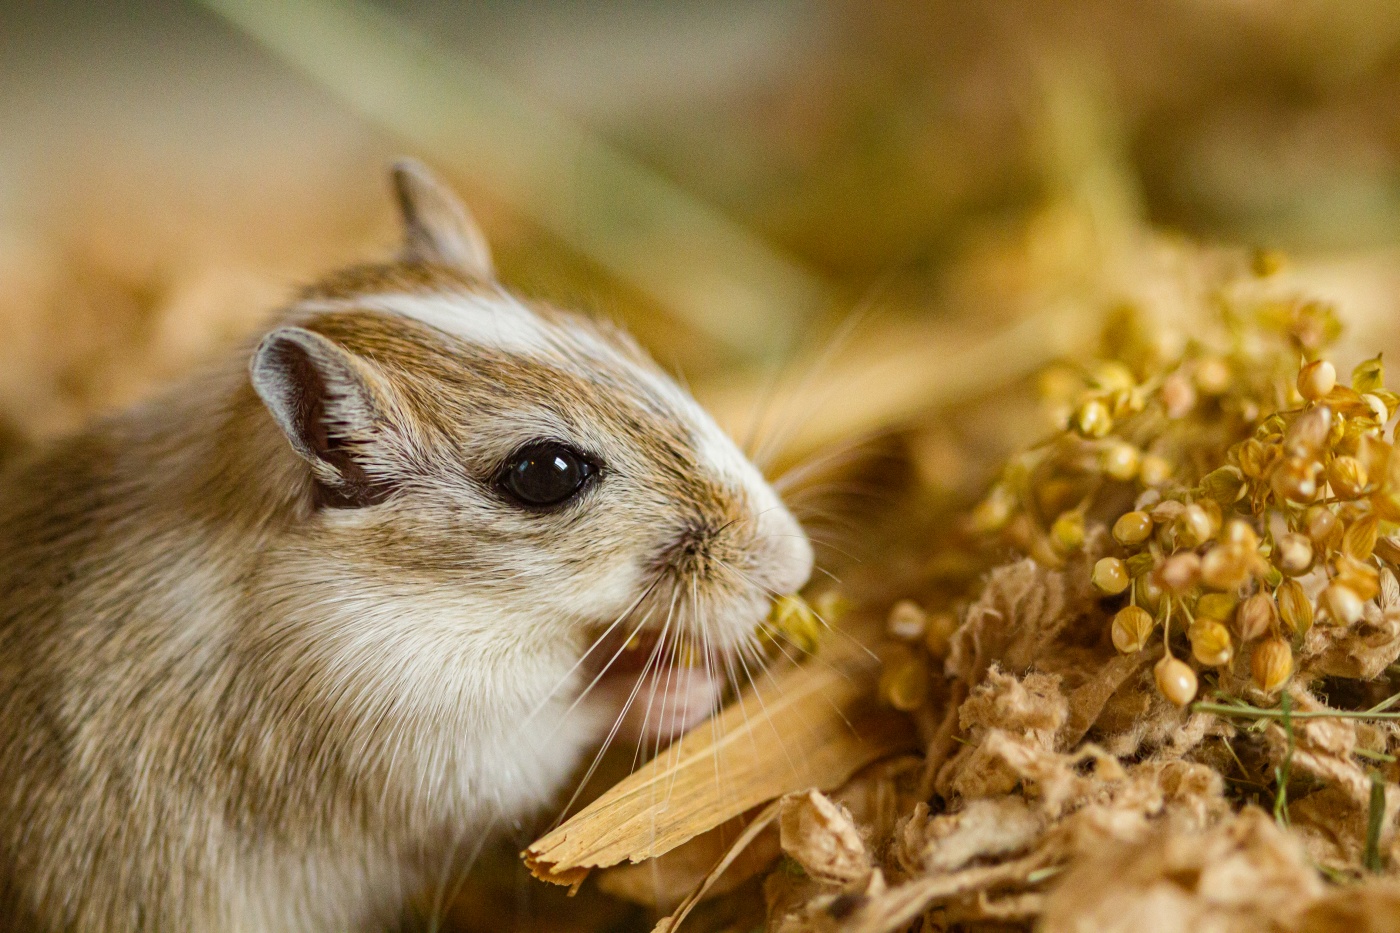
(275, 645)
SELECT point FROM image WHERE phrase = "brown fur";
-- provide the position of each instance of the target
(228, 700)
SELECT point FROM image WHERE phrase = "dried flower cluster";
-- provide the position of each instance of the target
(1259, 500)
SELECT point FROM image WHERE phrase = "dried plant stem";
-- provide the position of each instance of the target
(1255, 712)
(750, 833)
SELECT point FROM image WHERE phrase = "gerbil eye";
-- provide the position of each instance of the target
(545, 474)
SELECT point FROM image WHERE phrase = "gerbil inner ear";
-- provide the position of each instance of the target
(320, 396)
(437, 227)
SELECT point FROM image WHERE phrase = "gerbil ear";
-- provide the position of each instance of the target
(437, 228)
(322, 398)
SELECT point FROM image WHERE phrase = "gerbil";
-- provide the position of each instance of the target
(273, 643)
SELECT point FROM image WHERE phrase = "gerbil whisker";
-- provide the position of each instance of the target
(834, 345)
(612, 733)
(599, 676)
(658, 651)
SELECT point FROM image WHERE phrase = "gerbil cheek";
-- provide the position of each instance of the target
(601, 589)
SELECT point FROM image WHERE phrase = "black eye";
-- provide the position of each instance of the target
(545, 474)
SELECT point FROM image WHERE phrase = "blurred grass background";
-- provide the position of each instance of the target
(944, 195)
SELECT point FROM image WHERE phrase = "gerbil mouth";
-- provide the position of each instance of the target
(659, 687)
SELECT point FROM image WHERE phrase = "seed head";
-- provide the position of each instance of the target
(1178, 395)
(993, 512)
(1154, 471)
(904, 683)
(1294, 607)
(1308, 434)
(1225, 567)
(1295, 480)
(1322, 526)
(1175, 679)
(1132, 528)
(1256, 458)
(1341, 604)
(907, 621)
(1067, 533)
(1093, 419)
(1293, 554)
(1121, 461)
(1316, 379)
(1240, 533)
(1271, 664)
(938, 635)
(1110, 576)
(1359, 541)
(1257, 617)
(1132, 626)
(1213, 375)
(1179, 573)
(1194, 526)
(1217, 606)
(1347, 476)
(1210, 643)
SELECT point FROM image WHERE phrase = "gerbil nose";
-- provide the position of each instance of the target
(790, 550)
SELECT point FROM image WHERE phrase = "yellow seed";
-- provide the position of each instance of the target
(993, 512)
(1093, 419)
(1112, 375)
(1132, 528)
(1210, 642)
(1308, 434)
(1175, 679)
(791, 618)
(1178, 395)
(1271, 664)
(1239, 532)
(1179, 573)
(1255, 458)
(1321, 524)
(1379, 411)
(1294, 607)
(1149, 593)
(939, 633)
(1295, 480)
(1110, 576)
(1293, 554)
(1193, 526)
(1154, 471)
(1257, 617)
(1225, 567)
(1347, 476)
(1360, 538)
(1341, 604)
(1132, 626)
(831, 606)
(1067, 533)
(1217, 606)
(1121, 462)
(904, 683)
(907, 621)
(1316, 379)
(1213, 375)
(1359, 576)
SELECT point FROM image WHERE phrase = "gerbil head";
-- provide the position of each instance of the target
(496, 477)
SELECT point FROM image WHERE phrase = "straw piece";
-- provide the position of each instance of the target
(809, 726)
